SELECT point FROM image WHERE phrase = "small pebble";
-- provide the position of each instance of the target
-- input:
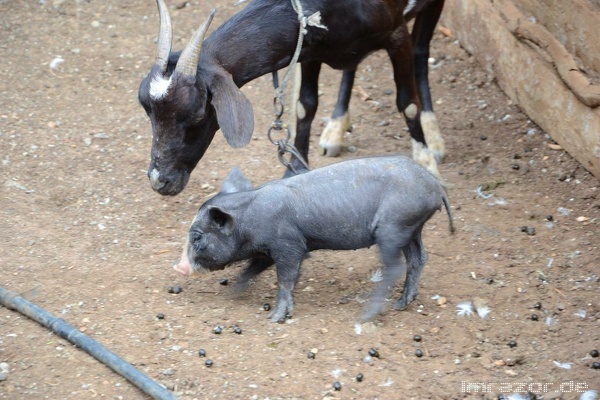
(537, 305)
(224, 281)
(266, 306)
(175, 289)
(373, 353)
(310, 355)
(237, 329)
(417, 338)
(160, 316)
(201, 353)
(208, 363)
(534, 317)
(217, 330)
(594, 353)
(512, 344)
(359, 377)
(419, 353)
(337, 386)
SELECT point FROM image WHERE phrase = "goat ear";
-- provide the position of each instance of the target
(222, 219)
(234, 110)
(235, 182)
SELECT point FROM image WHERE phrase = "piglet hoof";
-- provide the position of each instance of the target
(402, 304)
(282, 311)
(279, 317)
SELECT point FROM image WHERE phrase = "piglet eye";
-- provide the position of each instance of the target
(195, 235)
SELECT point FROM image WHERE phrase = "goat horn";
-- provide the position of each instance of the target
(164, 38)
(188, 61)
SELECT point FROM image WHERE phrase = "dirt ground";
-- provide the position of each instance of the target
(84, 236)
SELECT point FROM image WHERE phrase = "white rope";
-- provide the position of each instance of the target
(311, 20)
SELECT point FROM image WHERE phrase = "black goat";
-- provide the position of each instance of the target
(426, 14)
(190, 95)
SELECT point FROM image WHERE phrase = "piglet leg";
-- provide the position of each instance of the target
(394, 267)
(257, 266)
(288, 270)
(416, 258)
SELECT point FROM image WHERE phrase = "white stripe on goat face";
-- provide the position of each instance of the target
(410, 6)
(159, 87)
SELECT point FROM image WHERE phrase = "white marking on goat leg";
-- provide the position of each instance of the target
(433, 136)
(409, 6)
(300, 111)
(411, 111)
(332, 140)
(424, 156)
(155, 182)
(159, 87)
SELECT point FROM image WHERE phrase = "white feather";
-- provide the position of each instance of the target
(55, 63)
(377, 276)
(563, 365)
(388, 382)
(589, 395)
(337, 372)
(483, 311)
(465, 309)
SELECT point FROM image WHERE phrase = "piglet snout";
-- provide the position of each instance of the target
(183, 266)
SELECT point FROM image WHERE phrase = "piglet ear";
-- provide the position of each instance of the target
(234, 110)
(235, 182)
(223, 220)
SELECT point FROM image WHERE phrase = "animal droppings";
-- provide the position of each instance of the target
(537, 305)
(208, 363)
(310, 355)
(160, 316)
(337, 386)
(201, 353)
(237, 329)
(373, 353)
(534, 317)
(417, 338)
(512, 344)
(175, 289)
(266, 306)
(217, 330)
(359, 377)
(596, 365)
(594, 353)
(224, 281)
(419, 353)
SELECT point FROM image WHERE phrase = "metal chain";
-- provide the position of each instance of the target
(278, 104)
